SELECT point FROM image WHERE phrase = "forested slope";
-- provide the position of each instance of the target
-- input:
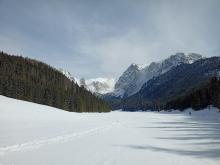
(199, 98)
(31, 80)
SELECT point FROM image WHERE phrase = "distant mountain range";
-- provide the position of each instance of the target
(150, 86)
(177, 82)
(95, 85)
(100, 85)
(146, 87)
(134, 77)
(131, 81)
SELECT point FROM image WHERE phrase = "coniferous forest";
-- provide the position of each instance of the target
(199, 98)
(34, 81)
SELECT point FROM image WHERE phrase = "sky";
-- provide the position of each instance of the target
(101, 38)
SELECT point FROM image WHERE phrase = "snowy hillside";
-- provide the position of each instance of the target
(33, 134)
(135, 76)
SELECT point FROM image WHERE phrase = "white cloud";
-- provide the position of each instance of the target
(102, 38)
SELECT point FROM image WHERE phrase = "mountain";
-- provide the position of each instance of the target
(94, 85)
(34, 81)
(179, 81)
(126, 83)
(131, 81)
(100, 85)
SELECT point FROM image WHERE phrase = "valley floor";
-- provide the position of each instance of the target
(32, 134)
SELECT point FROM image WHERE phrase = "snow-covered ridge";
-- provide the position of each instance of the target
(100, 85)
(94, 85)
(136, 75)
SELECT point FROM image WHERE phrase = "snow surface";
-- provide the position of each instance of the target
(33, 134)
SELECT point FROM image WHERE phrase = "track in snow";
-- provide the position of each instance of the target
(57, 139)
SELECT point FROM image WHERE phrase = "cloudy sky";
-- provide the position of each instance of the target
(101, 38)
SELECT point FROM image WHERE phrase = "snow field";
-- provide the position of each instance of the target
(32, 134)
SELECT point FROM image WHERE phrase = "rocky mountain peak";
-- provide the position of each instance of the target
(135, 76)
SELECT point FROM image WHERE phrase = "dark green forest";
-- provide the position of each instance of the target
(198, 98)
(34, 81)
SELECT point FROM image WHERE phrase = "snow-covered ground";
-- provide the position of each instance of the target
(32, 134)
